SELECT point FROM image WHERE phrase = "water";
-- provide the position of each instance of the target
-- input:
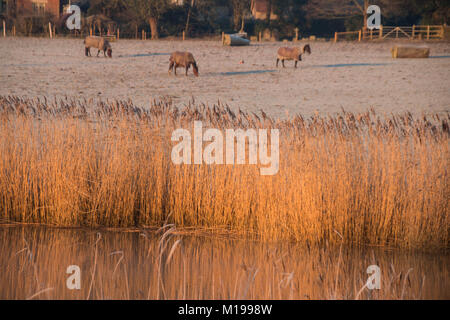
(139, 265)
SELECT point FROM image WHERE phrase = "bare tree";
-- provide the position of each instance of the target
(390, 9)
(325, 9)
(149, 10)
(240, 9)
(191, 5)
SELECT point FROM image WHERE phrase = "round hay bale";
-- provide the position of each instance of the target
(232, 40)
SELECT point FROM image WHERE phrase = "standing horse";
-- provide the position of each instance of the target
(287, 53)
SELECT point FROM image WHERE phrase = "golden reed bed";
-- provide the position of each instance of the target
(351, 178)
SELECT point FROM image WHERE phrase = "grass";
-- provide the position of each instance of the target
(361, 177)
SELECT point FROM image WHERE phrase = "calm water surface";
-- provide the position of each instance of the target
(147, 265)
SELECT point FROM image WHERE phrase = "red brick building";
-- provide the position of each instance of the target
(30, 7)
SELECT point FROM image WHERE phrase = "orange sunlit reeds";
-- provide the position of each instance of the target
(374, 180)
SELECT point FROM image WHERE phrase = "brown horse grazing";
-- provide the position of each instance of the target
(286, 53)
(97, 42)
(182, 59)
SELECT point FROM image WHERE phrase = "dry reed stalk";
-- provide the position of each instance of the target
(94, 269)
(381, 181)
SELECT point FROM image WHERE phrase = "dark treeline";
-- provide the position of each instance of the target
(162, 18)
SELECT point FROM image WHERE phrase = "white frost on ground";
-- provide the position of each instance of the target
(349, 75)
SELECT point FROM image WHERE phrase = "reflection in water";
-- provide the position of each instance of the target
(141, 265)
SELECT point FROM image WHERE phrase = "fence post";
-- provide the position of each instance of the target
(371, 34)
(359, 35)
(381, 32)
(184, 35)
(428, 32)
(296, 34)
(335, 37)
(142, 34)
(413, 32)
(223, 37)
(4, 29)
(90, 31)
(50, 30)
(14, 30)
(259, 39)
(118, 34)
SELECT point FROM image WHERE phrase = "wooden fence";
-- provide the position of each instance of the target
(421, 32)
(50, 31)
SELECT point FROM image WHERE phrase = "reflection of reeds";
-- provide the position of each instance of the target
(370, 179)
(208, 268)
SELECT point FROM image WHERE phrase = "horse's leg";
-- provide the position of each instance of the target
(104, 53)
(278, 59)
(175, 68)
(98, 53)
(296, 63)
(171, 66)
(187, 68)
(282, 62)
